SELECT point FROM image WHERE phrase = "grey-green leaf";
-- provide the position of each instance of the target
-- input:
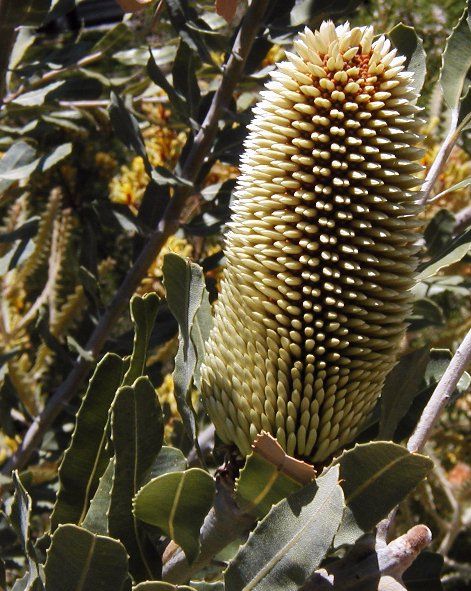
(177, 504)
(291, 541)
(375, 477)
(401, 387)
(20, 515)
(86, 459)
(137, 434)
(143, 313)
(78, 560)
(410, 45)
(456, 61)
(96, 519)
(188, 301)
(170, 459)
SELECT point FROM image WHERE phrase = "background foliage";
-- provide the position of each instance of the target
(99, 127)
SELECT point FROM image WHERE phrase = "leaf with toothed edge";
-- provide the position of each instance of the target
(177, 504)
(375, 477)
(269, 475)
(78, 560)
(291, 541)
(20, 517)
(96, 519)
(86, 459)
(189, 303)
(456, 61)
(137, 435)
(143, 313)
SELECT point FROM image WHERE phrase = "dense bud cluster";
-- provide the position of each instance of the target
(320, 248)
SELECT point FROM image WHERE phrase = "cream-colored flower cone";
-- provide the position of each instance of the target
(320, 248)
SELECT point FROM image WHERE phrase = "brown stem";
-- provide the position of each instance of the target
(168, 226)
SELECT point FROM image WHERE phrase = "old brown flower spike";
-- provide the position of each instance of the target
(320, 248)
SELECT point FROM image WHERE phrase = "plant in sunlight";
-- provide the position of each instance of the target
(234, 280)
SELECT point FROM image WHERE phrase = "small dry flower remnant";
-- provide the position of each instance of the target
(320, 248)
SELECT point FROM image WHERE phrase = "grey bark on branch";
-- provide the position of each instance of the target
(363, 569)
(431, 413)
(224, 526)
(170, 223)
(377, 570)
(441, 395)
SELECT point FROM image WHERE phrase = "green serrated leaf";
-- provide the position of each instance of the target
(78, 560)
(20, 516)
(268, 476)
(170, 459)
(189, 303)
(137, 435)
(86, 458)
(375, 477)
(456, 61)
(143, 313)
(204, 586)
(401, 387)
(291, 541)
(96, 519)
(410, 45)
(177, 504)
(261, 485)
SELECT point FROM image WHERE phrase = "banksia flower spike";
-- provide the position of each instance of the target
(320, 248)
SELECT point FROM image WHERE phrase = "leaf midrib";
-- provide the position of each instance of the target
(276, 558)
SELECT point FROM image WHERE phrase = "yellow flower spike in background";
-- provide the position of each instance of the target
(320, 249)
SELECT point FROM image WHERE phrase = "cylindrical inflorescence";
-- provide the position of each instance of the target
(320, 247)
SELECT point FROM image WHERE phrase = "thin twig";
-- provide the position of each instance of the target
(441, 158)
(170, 223)
(431, 414)
(441, 395)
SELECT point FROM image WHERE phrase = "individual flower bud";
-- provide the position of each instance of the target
(320, 248)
